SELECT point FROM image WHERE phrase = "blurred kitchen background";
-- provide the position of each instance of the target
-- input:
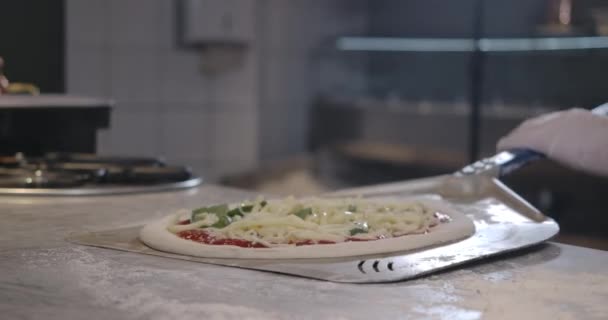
(305, 96)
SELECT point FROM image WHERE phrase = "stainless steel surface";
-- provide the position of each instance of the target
(601, 110)
(500, 227)
(102, 190)
(45, 277)
(501, 164)
(487, 166)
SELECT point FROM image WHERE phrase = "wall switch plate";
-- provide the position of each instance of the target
(211, 22)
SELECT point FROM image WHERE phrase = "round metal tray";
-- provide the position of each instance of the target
(98, 190)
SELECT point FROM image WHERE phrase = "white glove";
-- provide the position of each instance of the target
(576, 138)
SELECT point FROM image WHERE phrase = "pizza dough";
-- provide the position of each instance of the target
(158, 237)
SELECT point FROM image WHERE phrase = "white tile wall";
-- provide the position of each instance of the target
(274, 136)
(87, 23)
(237, 87)
(166, 25)
(182, 84)
(134, 133)
(188, 134)
(104, 141)
(220, 124)
(87, 72)
(237, 143)
(135, 76)
(134, 23)
(291, 34)
(126, 50)
(229, 168)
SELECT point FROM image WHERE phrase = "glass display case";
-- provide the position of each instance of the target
(476, 72)
(432, 86)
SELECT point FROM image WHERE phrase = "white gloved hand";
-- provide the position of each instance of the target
(576, 138)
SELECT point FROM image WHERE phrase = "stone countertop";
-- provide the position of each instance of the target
(51, 101)
(43, 276)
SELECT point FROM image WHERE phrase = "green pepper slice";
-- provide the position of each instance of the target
(303, 213)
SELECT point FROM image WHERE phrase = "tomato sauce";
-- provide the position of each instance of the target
(204, 237)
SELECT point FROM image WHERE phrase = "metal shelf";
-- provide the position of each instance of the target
(470, 45)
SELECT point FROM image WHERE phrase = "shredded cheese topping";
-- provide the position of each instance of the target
(289, 221)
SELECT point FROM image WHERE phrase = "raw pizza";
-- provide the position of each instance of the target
(307, 228)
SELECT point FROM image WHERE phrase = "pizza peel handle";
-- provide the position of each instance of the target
(502, 163)
(508, 161)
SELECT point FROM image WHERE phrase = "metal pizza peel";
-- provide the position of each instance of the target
(504, 222)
